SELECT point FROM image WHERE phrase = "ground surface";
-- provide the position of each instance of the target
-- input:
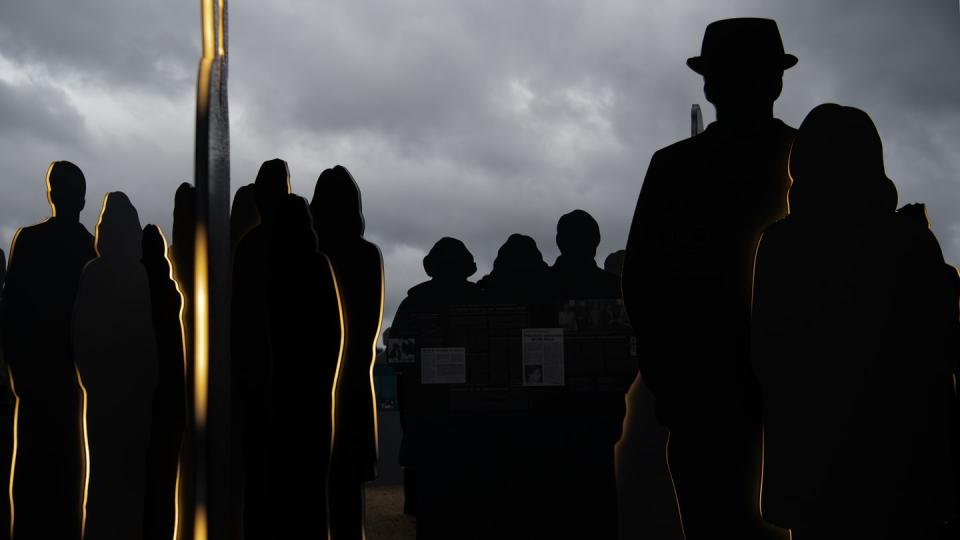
(385, 518)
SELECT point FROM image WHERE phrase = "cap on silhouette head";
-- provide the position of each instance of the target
(153, 246)
(118, 229)
(336, 205)
(614, 262)
(449, 258)
(66, 189)
(518, 253)
(271, 186)
(578, 234)
(836, 163)
(293, 230)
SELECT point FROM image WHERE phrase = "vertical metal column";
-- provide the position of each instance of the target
(206, 514)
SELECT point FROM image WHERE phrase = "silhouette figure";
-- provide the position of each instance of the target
(45, 265)
(852, 313)
(687, 277)
(586, 492)
(184, 233)
(519, 274)
(305, 322)
(115, 350)
(243, 217)
(614, 262)
(502, 450)
(358, 267)
(6, 414)
(169, 400)
(424, 409)
(251, 347)
(575, 273)
(243, 214)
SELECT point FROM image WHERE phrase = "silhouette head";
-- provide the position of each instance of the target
(578, 234)
(293, 230)
(742, 62)
(518, 254)
(118, 230)
(66, 190)
(836, 164)
(336, 206)
(614, 262)
(243, 215)
(271, 186)
(449, 259)
(154, 247)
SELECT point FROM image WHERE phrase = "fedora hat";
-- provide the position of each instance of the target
(743, 42)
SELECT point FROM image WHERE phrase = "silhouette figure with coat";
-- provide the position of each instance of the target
(358, 268)
(852, 312)
(305, 321)
(687, 277)
(252, 351)
(46, 261)
(424, 409)
(115, 350)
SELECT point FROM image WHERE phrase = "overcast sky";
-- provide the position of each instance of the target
(466, 119)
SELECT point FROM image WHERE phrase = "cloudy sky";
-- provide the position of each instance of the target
(457, 118)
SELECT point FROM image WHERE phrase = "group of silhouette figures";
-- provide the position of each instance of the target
(505, 465)
(798, 333)
(98, 354)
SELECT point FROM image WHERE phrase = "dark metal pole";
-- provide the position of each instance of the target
(209, 516)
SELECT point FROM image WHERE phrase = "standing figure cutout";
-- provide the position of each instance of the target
(46, 261)
(687, 277)
(358, 267)
(251, 349)
(852, 313)
(115, 349)
(305, 330)
(169, 399)
(424, 408)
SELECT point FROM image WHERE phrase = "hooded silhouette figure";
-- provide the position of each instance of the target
(519, 274)
(687, 277)
(44, 272)
(305, 322)
(852, 313)
(358, 267)
(168, 416)
(424, 409)
(115, 350)
(252, 355)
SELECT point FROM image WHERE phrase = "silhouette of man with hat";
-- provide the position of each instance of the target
(688, 274)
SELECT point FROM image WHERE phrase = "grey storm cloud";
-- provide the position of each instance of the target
(457, 118)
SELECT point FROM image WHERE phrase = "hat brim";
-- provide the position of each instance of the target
(703, 65)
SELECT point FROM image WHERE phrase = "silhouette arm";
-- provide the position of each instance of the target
(646, 267)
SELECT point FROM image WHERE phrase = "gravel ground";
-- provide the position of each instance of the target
(385, 518)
